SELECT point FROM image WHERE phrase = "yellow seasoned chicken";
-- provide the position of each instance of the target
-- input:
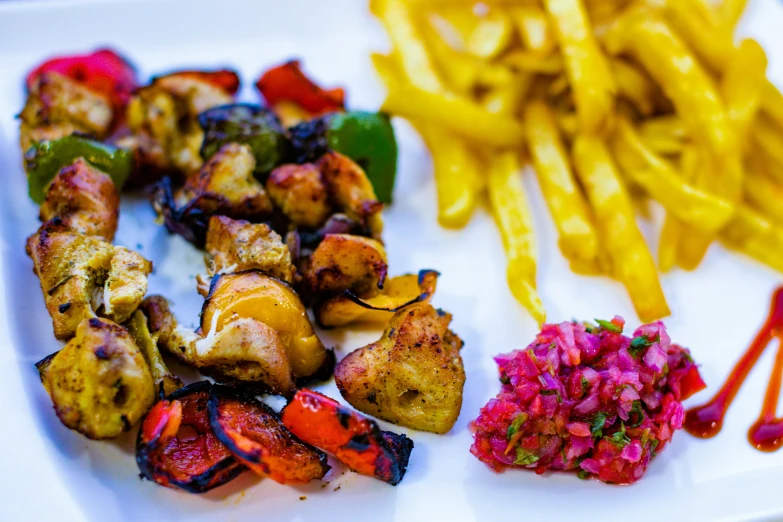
(244, 350)
(238, 245)
(412, 376)
(99, 383)
(224, 186)
(347, 262)
(58, 106)
(162, 117)
(299, 192)
(351, 191)
(84, 277)
(84, 200)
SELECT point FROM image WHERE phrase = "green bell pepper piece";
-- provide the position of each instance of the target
(368, 139)
(252, 125)
(45, 159)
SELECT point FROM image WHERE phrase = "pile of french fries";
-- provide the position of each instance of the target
(613, 103)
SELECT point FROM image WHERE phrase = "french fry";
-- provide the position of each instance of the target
(635, 86)
(730, 12)
(491, 35)
(532, 62)
(506, 99)
(644, 35)
(462, 116)
(673, 230)
(586, 66)
(534, 28)
(691, 205)
(515, 222)
(578, 239)
(762, 193)
(664, 135)
(751, 233)
(772, 103)
(630, 259)
(743, 84)
(767, 143)
(700, 27)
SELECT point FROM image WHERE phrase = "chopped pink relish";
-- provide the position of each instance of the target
(587, 399)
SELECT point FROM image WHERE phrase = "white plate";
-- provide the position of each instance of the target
(49, 471)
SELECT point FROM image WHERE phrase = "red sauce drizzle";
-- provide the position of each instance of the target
(766, 434)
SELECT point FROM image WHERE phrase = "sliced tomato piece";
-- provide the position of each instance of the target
(353, 439)
(177, 448)
(225, 79)
(254, 433)
(287, 82)
(691, 383)
(103, 71)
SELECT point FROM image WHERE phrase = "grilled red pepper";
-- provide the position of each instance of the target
(177, 448)
(353, 439)
(287, 82)
(103, 71)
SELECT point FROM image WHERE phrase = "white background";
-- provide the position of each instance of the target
(50, 472)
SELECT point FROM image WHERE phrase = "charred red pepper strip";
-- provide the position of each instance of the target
(354, 440)
(287, 82)
(253, 432)
(103, 71)
(177, 448)
(225, 79)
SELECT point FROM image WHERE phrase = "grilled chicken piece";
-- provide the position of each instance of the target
(300, 193)
(58, 106)
(224, 186)
(347, 262)
(245, 350)
(83, 277)
(84, 200)
(412, 376)
(237, 245)
(351, 191)
(99, 383)
(163, 120)
(166, 382)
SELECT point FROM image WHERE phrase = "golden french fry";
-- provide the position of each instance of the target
(532, 62)
(534, 28)
(515, 222)
(772, 103)
(634, 85)
(568, 124)
(664, 135)
(578, 239)
(506, 99)
(643, 34)
(585, 64)
(491, 36)
(462, 116)
(386, 67)
(743, 84)
(691, 205)
(408, 43)
(762, 193)
(456, 175)
(673, 230)
(767, 141)
(699, 26)
(630, 259)
(751, 233)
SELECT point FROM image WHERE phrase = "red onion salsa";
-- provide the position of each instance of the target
(588, 399)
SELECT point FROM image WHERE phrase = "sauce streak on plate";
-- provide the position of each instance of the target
(766, 434)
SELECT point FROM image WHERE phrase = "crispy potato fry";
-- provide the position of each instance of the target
(699, 26)
(743, 84)
(535, 30)
(506, 99)
(673, 230)
(763, 193)
(664, 135)
(491, 36)
(460, 115)
(772, 103)
(643, 34)
(751, 233)
(578, 239)
(767, 142)
(629, 257)
(532, 62)
(635, 86)
(691, 205)
(515, 222)
(587, 67)
(730, 12)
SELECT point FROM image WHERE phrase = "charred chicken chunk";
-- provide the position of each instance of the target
(80, 277)
(99, 383)
(351, 191)
(347, 262)
(412, 376)
(224, 186)
(58, 106)
(245, 350)
(237, 245)
(84, 199)
(163, 119)
(300, 193)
